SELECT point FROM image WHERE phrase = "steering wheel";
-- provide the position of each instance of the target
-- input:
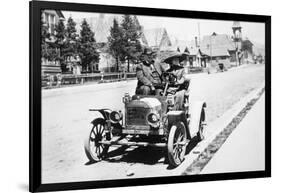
(173, 92)
(169, 77)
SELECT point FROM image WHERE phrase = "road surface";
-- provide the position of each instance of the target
(66, 123)
(244, 149)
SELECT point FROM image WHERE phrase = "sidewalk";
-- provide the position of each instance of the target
(245, 147)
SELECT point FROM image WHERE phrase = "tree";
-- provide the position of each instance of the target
(59, 43)
(115, 42)
(44, 35)
(70, 48)
(131, 44)
(87, 46)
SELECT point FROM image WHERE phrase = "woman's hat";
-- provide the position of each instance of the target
(174, 54)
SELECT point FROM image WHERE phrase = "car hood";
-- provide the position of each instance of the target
(147, 102)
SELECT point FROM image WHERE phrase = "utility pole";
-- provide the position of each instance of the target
(199, 36)
(237, 38)
(211, 62)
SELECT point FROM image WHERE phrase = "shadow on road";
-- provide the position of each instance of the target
(193, 142)
(143, 155)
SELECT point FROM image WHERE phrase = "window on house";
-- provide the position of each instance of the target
(52, 22)
(46, 18)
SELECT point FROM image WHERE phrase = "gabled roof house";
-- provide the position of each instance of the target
(156, 38)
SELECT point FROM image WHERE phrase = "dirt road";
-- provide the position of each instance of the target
(66, 123)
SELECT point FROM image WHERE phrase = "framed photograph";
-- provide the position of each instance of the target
(127, 96)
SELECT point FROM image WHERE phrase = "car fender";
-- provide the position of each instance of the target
(195, 113)
(104, 112)
(117, 127)
(177, 116)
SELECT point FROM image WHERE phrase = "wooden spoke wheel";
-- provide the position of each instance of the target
(94, 150)
(177, 142)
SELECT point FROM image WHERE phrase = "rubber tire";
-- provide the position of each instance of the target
(174, 129)
(87, 146)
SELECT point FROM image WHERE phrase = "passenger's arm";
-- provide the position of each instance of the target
(180, 76)
(186, 74)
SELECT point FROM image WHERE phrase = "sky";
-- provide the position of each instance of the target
(186, 29)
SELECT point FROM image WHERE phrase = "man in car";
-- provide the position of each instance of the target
(174, 60)
(149, 74)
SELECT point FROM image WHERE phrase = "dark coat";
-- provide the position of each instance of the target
(144, 74)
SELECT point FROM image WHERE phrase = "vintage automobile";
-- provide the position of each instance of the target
(149, 121)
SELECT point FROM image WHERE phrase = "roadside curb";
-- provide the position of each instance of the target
(214, 129)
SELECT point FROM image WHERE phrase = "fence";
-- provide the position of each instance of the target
(50, 81)
(195, 69)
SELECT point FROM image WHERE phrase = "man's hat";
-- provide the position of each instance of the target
(148, 52)
(174, 54)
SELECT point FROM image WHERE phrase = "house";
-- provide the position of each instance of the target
(197, 58)
(177, 44)
(219, 47)
(156, 38)
(51, 19)
(258, 49)
(101, 27)
(247, 49)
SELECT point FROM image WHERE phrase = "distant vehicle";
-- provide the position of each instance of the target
(221, 67)
(149, 121)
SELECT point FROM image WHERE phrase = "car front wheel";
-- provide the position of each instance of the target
(177, 142)
(94, 150)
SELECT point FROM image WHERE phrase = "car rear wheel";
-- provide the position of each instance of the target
(94, 150)
(177, 142)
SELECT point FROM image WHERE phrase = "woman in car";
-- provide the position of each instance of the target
(174, 59)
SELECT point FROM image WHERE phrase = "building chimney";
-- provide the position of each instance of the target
(196, 42)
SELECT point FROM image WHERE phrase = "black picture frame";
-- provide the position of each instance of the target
(35, 8)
